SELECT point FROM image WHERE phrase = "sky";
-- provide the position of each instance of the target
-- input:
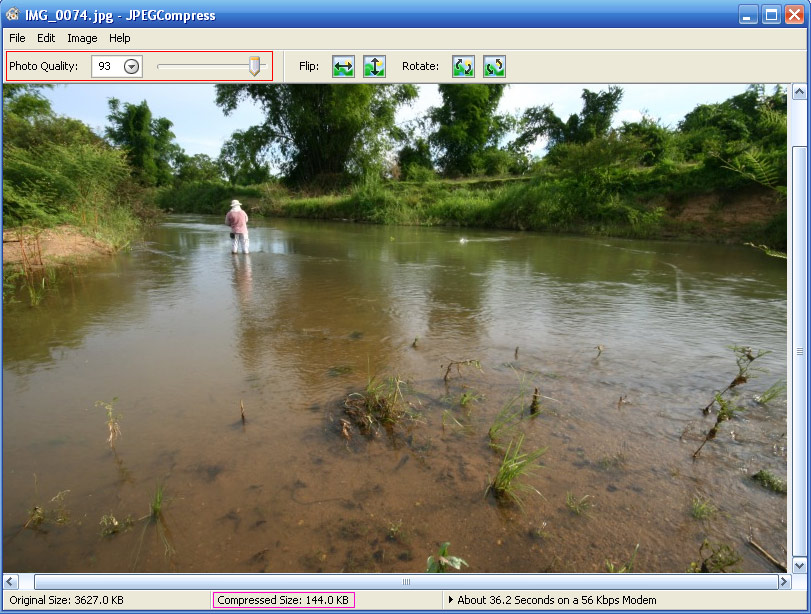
(200, 126)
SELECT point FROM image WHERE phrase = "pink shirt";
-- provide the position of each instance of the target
(237, 219)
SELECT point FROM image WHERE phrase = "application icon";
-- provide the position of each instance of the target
(795, 13)
(464, 66)
(771, 13)
(374, 66)
(748, 14)
(343, 66)
(495, 66)
(13, 13)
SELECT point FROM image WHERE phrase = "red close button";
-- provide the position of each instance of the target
(795, 13)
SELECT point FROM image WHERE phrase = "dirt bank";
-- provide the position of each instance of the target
(54, 246)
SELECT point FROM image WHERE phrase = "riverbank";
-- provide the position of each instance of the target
(646, 207)
(50, 247)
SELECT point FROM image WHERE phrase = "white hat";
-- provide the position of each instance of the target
(235, 203)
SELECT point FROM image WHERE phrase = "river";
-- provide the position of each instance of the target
(625, 342)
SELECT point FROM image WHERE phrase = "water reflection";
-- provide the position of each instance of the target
(242, 277)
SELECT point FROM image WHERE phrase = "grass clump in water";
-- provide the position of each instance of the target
(715, 558)
(770, 481)
(701, 508)
(381, 403)
(775, 390)
(744, 357)
(626, 567)
(514, 465)
(579, 506)
(727, 411)
(113, 426)
(156, 518)
(110, 525)
(443, 561)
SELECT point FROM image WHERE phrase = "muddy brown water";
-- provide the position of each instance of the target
(180, 331)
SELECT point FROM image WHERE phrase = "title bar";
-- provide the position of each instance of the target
(376, 14)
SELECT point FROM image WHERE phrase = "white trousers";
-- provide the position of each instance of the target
(240, 240)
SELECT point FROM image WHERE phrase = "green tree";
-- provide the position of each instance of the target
(147, 141)
(593, 121)
(414, 159)
(466, 126)
(315, 131)
(198, 167)
(242, 157)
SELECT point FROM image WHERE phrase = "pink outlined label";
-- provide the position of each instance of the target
(270, 600)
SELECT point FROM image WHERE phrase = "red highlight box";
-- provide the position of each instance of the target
(317, 596)
(245, 54)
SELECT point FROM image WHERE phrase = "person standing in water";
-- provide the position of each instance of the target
(237, 219)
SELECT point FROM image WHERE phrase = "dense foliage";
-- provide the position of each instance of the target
(55, 169)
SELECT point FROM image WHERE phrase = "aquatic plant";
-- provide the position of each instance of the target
(36, 516)
(744, 357)
(727, 410)
(507, 418)
(56, 514)
(626, 567)
(470, 362)
(701, 508)
(394, 530)
(578, 506)
(110, 525)
(776, 389)
(715, 558)
(113, 427)
(155, 518)
(469, 396)
(443, 560)
(768, 480)
(514, 465)
(613, 462)
(381, 403)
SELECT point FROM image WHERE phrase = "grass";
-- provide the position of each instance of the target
(443, 561)
(515, 465)
(701, 508)
(775, 390)
(469, 396)
(579, 506)
(381, 403)
(626, 567)
(155, 518)
(715, 558)
(614, 462)
(770, 481)
(113, 426)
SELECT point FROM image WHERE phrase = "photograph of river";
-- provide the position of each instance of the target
(350, 396)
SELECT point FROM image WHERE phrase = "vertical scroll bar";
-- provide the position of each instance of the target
(799, 363)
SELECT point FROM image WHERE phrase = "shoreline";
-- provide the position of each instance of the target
(57, 246)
